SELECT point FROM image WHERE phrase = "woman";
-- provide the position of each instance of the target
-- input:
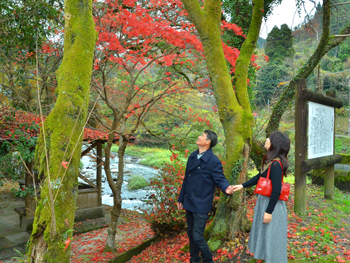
(268, 235)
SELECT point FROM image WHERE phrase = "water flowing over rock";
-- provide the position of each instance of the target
(132, 199)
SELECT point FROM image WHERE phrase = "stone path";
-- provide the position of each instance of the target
(11, 234)
(13, 237)
(131, 232)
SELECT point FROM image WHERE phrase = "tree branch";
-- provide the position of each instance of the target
(243, 61)
(303, 73)
(194, 10)
(346, 3)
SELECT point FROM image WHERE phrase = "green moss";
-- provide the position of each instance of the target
(339, 176)
(345, 158)
(214, 244)
(186, 248)
(237, 168)
(137, 182)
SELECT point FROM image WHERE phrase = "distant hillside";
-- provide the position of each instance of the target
(261, 42)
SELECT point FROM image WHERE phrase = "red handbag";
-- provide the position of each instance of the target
(264, 186)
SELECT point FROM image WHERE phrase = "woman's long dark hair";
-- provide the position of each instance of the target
(279, 148)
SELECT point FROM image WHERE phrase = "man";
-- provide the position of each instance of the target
(203, 173)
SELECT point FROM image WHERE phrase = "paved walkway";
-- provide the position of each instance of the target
(11, 234)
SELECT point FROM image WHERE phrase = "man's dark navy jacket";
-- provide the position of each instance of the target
(201, 177)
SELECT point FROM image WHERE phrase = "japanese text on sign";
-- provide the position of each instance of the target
(321, 130)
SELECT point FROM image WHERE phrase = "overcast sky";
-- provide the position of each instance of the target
(283, 14)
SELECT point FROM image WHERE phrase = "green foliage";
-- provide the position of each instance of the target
(269, 80)
(164, 216)
(14, 154)
(23, 20)
(22, 257)
(279, 43)
(27, 25)
(238, 12)
(272, 78)
(344, 52)
(137, 182)
(23, 191)
(342, 112)
(331, 63)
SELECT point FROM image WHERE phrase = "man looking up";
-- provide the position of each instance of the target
(203, 173)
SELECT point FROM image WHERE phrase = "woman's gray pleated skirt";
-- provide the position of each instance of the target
(269, 241)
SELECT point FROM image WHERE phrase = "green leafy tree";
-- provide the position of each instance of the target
(344, 52)
(269, 80)
(25, 26)
(279, 49)
(279, 44)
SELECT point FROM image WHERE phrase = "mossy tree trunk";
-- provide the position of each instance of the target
(234, 108)
(325, 45)
(61, 137)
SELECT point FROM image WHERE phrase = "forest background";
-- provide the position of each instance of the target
(276, 62)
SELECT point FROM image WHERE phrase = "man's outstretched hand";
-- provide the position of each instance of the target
(229, 190)
(179, 206)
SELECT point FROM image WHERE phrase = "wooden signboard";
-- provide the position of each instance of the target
(314, 138)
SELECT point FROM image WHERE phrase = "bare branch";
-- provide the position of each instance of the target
(346, 3)
(342, 35)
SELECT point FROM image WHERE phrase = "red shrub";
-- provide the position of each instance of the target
(164, 216)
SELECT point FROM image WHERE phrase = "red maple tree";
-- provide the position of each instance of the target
(147, 52)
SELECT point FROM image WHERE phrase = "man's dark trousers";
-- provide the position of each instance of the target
(195, 229)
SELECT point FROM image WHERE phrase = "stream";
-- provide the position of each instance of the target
(132, 199)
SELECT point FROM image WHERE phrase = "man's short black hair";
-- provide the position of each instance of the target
(212, 137)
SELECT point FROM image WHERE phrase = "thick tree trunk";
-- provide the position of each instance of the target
(234, 108)
(61, 139)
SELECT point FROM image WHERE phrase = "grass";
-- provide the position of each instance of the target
(137, 182)
(322, 234)
(342, 145)
(155, 157)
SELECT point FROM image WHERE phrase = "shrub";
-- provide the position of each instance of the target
(164, 216)
(17, 150)
(137, 182)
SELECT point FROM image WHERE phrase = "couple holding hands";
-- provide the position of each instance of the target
(204, 172)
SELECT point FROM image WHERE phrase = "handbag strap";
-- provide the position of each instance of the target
(268, 171)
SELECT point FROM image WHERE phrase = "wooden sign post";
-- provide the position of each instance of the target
(322, 154)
